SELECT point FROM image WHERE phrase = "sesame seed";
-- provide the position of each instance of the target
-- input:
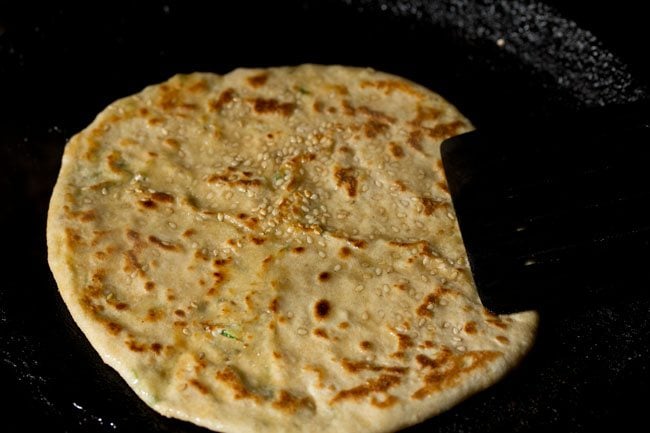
(359, 288)
(228, 195)
(443, 302)
(450, 216)
(172, 225)
(186, 331)
(424, 278)
(456, 339)
(461, 348)
(302, 331)
(446, 325)
(104, 191)
(378, 271)
(455, 330)
(421, 323)
(321, 254)
(370, 358)
(193, 304)
(385, 288)
(400, 328)
(365, 316)
(290, 314)
(529, 262)
(195, 244)
(337, 267)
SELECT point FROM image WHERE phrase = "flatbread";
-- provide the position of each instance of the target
(275, 250)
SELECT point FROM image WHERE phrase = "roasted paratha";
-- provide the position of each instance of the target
(276, 250)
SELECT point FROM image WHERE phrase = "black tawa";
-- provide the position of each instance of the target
(60, 64)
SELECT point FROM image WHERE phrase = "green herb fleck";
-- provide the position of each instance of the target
(226, 333)
(304, 91)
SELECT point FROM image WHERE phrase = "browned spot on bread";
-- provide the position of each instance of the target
(365, 345)
(115, 162)
(381, 384)
(162, 197)
(339, 88)
(199, 386)
(345, 252)
(225, 97)
(373, 128)
(494, 320)
(113, 328)
(322, 309)
(133, 235)
(172, 143)
(442, 185)
(447, 369)
(401, 185)
(389, 86)
(332, 110)
(445, 130)
(274, 305)
(258, 80)
(403, 342)
(318, 106)
(298, 250)
(272, 106)
(415, 140)
(396, 150)
(359, 243)
(189, 233)
(324, 276)
(470, 327)
(277, 355)
(121, 306)
(357, 366)
(198, 87)
(430, 205)
(258, 241)
(345, 176)
(222, 262)
(179, 313)
(320, 332)
(344, 325)
(426, 308)
(233, 380)
(162, 244)
(156, 348)
(135, 347)
(288, 402)
(389, 401)
(502, 339)
(131, 263)
(346, 149)
(348, 109)
(147, 204)
(153, 315)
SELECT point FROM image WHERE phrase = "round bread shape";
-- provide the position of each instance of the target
(276, 250)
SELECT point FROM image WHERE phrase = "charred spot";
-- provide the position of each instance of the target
(258, 80)
(156, 348)
(470, 327)
(318, 106)
(365, 345)
(298, 250)
(225, 97)
(265, 106)
(218, 277)
(147, 204)
(222, 262)
(345, 176)
(242, 216)
(189, 232)
(324, 276)
(121, 306)
(345, 252)
(320, 332)
(322, 309)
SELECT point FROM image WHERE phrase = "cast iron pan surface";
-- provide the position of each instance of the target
(61, 65)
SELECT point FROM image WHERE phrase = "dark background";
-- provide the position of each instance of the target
(62, 64)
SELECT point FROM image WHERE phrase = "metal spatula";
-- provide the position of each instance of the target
(555, 213)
